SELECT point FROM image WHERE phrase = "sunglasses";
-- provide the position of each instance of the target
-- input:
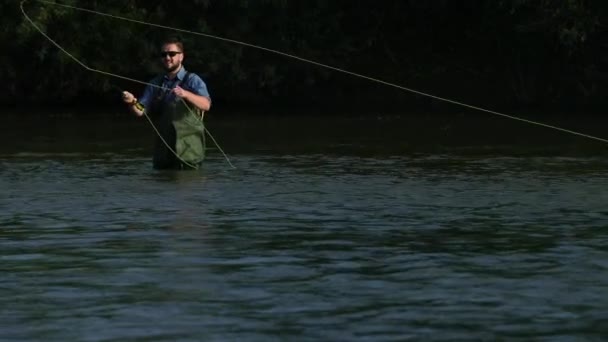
(164, 54)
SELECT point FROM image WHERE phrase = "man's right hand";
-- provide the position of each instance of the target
(128, 98)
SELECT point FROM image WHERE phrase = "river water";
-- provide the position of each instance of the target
(328, 229)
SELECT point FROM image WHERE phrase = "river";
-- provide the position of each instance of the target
(336, 228)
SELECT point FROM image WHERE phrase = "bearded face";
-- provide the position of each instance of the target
(172, 57)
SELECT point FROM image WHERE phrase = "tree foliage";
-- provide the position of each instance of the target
(504, 52)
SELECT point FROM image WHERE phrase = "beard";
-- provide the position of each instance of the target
(173, 67)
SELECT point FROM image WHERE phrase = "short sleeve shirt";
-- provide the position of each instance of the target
(194, 84)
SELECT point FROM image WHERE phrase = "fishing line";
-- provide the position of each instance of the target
(198, 117)
(443, 99)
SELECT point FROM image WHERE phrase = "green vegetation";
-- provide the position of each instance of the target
(503, 54)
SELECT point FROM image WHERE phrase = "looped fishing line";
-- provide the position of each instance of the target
(197, 117)
(310, 62)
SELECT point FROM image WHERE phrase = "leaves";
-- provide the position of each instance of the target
(431, 44)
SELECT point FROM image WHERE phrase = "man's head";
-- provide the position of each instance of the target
(172, 53)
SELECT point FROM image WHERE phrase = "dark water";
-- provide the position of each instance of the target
(327, 230)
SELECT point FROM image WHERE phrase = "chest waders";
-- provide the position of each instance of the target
(183, 130)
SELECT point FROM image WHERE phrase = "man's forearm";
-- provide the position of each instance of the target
(137, 108)
(201, 102)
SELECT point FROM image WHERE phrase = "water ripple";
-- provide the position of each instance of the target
(304, 247)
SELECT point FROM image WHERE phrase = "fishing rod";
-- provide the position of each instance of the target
(326, 66)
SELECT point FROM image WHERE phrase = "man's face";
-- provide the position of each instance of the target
(171, 57)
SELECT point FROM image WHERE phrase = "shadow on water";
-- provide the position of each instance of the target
(365, 135)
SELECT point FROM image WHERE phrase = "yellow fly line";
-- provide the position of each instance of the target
(443, 99)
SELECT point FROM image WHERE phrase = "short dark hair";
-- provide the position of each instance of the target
(173, 40)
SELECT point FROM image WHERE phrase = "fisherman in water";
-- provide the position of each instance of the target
(176, 103)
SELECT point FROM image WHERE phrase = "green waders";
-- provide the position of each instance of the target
(183, 130)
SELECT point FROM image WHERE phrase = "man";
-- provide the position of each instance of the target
(176, 103)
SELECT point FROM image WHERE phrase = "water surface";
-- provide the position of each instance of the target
(366, 233)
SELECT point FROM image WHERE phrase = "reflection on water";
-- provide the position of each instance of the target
(331, 246)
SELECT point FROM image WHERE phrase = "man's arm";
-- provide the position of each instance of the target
(199, 101)
(195, 92)
(138, 106)
(132, 102)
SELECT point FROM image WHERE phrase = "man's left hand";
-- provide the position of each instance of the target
(180, 92)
